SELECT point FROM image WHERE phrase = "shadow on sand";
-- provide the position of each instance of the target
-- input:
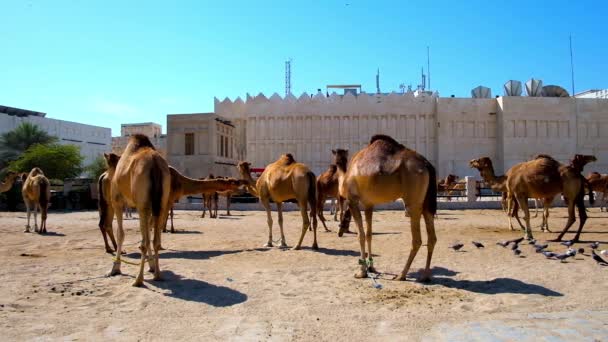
(199, 291)
(176, 231)
(441, 276)
(331, 251)
(195, 255)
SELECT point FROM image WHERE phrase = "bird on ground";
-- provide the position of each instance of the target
(516, 252)
(567, 243)
(599, 259)
(457, 246)
(549, 255)
(478, 244)
(517, 241)
(504, 244)
(515, 246)
(562, 257)
(581, 250)
(540, 248)
(532, 242)
(594, 245)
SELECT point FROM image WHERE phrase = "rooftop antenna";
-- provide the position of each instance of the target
(288, 77)
(402, 88)
(378, 82)
(572, 65)
(428, 65)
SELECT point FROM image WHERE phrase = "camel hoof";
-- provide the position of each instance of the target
(138, 283)
(372, 269)
(114, 272)
(315, 246)
(399, 278)
(296, 248)
(109, 250)
(158, 277)
(361, 274)
(268, 245)
(340, 233)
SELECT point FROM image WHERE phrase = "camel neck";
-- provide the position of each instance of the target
(192, 186)
(488, 175)
(7, 184)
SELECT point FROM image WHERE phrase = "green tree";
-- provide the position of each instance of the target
(56, 161)
(96, 168)
(14, 143)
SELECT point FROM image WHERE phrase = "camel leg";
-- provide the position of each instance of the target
(509, 208)
(228, 200)
(369, 211)
(150, 255)
(523, 204)
(334, 207)
(535, 208)
(157, 247)
(320, 206)
(266, 204)
(36, 218)
(118, 211)
(356, 213)
(582, 216)
(27, 207)
(280, 214)
(429, 222)
(305, 224)
(571, 220)
(144, 222)
(546, 205)
(415, 214)
(204, 206)
(172, 229)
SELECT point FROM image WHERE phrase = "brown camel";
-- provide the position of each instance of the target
(327, 187)
(184, 186)
(283, 180)
(544, 177)
(382, 172)
(142, 180)
(106, 211)
(9, 180)
(599, 184)
(36, 193)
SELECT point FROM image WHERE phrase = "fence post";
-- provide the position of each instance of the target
(471, 188)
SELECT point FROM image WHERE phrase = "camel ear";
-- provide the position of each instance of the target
(106, 156)
(333, 152)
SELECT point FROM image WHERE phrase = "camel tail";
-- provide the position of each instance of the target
(102, 203)
(156, 189)
(43, 185)
(430, 200)
(312, 197)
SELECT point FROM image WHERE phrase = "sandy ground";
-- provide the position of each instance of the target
(221, 285)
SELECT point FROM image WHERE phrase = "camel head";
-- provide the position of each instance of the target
(340, 158)
(481, 163)
(36, 171)
(244, 169)
(111, 160)
(450, 179)
(580, 160)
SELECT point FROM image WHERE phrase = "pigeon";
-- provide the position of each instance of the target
(563, 257)
(516, 252)
(549, 255)
(514, 247)
(503, 244)
(567, 243)
(457, 246)
(532, 242)
(478, 244)
(598, 259)
(517, 241)
(539, 248)
(594, 245)
(581, 250)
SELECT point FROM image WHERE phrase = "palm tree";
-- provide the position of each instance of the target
(17, 141)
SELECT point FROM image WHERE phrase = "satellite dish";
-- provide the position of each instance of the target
(554, 91)
(512, 88)
(534, 87)
(481, 92)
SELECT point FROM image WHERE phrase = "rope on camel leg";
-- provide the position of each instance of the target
(369, 263)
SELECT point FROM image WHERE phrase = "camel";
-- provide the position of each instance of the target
(599, 183)
(283, 180)
(327, 186)
(183, 186)
(228, 195)
(9, 180)
(36, 193)
(106, 211)
(382, 172)
(210, 200)
(544, 177)
(142, 180)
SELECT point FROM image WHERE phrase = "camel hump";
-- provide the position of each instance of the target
(387, 139)
(140, 141)
(286, 159)
(543, 156)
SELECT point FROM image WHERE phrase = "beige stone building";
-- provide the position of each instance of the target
(448, 131)
(200, 144)
(150, 129)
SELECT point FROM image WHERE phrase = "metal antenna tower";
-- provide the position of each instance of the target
(288, 77)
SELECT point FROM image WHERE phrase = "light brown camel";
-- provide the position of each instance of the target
(36, 193)
(9, 180)
(210, 200)
(283, 180)
(142, 180)
(327, 187)
(382, 172)
(184, 186)
(544, 177)
(599, 184)
(106, 211)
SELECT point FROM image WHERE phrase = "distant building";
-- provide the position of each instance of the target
(92, 140)
(200, 144)
(150, 129)
(593, 94)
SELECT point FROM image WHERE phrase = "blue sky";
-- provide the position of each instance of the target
(113, 62)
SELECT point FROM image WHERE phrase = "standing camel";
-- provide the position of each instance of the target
(36, 193)
(183, 186)
(142, 180)
(327, 186)
(544, 177)
(382, 172)
(9, 180)
(106, 212)
(599, 183)
(283, 180)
